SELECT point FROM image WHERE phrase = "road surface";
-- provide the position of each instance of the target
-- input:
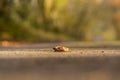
(37, 62)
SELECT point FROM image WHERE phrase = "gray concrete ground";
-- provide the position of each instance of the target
(37, 62)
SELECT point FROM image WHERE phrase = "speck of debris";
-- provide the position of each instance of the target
(102, 51)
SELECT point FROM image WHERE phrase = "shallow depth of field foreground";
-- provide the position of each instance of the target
(40, 62)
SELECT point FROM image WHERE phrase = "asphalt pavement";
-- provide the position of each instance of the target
(40, 62)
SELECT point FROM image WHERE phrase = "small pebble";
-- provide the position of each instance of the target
(60, 49)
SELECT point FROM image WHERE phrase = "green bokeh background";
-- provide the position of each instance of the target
(59, 20)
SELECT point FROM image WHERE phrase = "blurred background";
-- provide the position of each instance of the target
(59, 20)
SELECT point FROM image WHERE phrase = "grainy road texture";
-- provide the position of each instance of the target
(42, 63)
(49, 53)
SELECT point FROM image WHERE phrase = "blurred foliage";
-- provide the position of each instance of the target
(59, 20)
